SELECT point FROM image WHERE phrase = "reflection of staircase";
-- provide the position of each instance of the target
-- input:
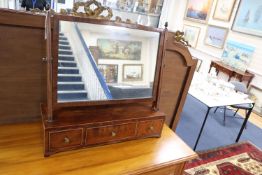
(70, 84)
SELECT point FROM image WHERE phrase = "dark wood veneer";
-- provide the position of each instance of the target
(24, 86)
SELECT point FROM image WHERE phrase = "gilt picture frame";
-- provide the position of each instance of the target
(132, 72)
(198, 10)
(191, 34)
(216, 36)
(119, 49)
(109, 72)
(223, 10)
(248, 19)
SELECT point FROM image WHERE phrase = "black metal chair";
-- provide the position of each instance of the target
(239, 87)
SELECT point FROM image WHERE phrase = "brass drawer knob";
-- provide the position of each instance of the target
(113, 134)
(66, 140)
(151, 128)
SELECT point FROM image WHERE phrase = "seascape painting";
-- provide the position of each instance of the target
(223, 10)
(249, 17)
(109, 71)
(198, 10)
(119, 49)
(216, 36)
(191, 34)
(237, 55)
(132, 72)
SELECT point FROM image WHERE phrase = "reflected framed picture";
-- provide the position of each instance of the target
(132, 72)
(191, 34)
(248, 18)
(224, 9)
(198, 10)
(119, 49)
(109, 71)
(216, 36)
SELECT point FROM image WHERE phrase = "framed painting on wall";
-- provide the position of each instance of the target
(224, 9)
(198, 10)
(237, 55)
(132, 72)
(216, 36)
(109, 71)
(248, 19)
(191, 34)
(119, 49)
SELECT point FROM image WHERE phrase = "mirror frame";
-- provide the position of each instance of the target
(55, 45)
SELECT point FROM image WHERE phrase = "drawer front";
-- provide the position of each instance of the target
(110, 133)
(149, 128)
(65, 139)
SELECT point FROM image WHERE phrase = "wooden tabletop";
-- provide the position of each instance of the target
(21, 152)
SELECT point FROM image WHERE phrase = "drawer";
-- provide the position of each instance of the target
(149, 128)
(110, 133)
(65, 139)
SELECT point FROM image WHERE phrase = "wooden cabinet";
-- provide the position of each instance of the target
(110, 133)
(100, 129)
(149, 128)
(241, 76)
(23, 154)
(73, 125)
(65, 139)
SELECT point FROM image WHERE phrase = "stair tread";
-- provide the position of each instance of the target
(74, 100)
(69, 75)
(70, 68)
(66, 61)
(64, 55)
(71, 91)
(70, 83)
(66, 50)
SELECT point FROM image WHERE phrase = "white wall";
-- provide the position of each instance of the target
(68, 5)
(176, 22)
(175, 18)
(3, 3)
(148, 54)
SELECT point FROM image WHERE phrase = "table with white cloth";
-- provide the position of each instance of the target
(217, 93)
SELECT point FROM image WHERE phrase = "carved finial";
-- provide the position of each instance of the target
(179, 37)
(118, 19)
(92, 13)
(37, 10)
(166, 25)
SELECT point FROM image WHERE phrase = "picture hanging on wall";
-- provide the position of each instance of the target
(237, 55)
(191, 34)
(132, 72)
(224, 9)
(144, 12)
(198, 10)
(119, 49)
(249, 17)
(109, 71)
(216, 36)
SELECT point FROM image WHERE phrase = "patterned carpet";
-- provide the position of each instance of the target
(237, 159)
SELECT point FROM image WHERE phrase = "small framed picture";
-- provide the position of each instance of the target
(248, 18)
(216, 36)
(198, 10)
(109, 71)
(191, 34)
(224, 9)
(132, 72)
(61, 1)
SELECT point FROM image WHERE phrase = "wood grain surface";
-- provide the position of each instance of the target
(21, 152)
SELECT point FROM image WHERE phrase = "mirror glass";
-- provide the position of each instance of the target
(101, 62)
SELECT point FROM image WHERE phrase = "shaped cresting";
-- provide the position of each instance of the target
(103, 62)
